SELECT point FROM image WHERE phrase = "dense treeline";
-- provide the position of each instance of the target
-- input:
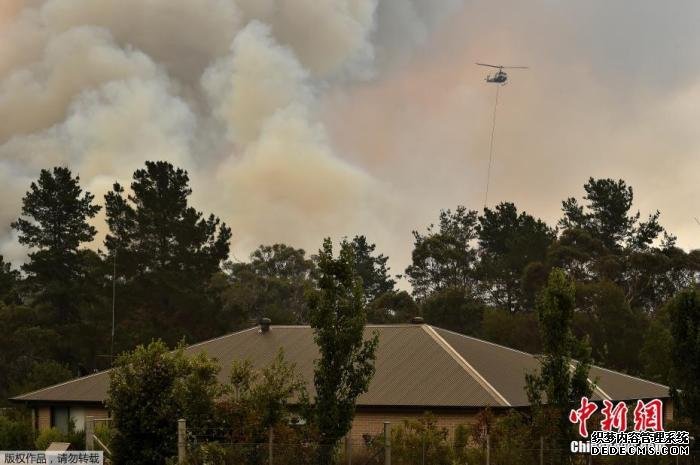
(476, 273)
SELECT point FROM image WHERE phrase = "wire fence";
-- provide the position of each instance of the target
(308, 454)
(215, 448)
(258, 454)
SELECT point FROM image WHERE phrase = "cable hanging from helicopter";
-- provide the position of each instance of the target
(500, 77)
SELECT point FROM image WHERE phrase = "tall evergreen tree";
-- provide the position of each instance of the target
(607, 216)
(54, 223)
(166, 253)
(9, 280)
(346, 365)
(373, 270)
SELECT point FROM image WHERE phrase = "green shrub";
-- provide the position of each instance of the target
(46, 437)
(15, 433)
(105, 434)
(150, 388)
(420, 441)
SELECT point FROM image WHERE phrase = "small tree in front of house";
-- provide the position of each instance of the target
(561, 381)
(260, 400)
(150, 389)
(346, 366)
(259, 405)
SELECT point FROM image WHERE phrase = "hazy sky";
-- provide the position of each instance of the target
(299, 119)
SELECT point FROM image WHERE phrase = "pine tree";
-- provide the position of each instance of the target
(373, 270)
(54, 223)
(166, 254)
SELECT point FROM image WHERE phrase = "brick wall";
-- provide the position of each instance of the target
(43, 417)
(373, 422)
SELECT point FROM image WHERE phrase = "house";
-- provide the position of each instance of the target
(419, 368)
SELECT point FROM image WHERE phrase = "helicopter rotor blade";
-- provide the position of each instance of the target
(490, 66)
(515, 67)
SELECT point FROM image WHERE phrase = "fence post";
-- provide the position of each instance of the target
(348, 449)
(181, 441)
(269, 445)
(541, 450)
(89, 433)
(488, 448)
(387, 443)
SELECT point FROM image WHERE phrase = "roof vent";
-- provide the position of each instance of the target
(265, 325)
(417, 320)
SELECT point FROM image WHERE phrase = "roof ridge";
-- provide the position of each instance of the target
(466, 366)
(220, 337)
(73, 380)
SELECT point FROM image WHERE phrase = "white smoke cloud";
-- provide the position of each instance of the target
(258, 78)
(228, 89)
(329, 37)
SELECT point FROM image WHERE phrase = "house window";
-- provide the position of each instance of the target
(60, 418)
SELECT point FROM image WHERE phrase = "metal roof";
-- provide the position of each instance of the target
(417, 366)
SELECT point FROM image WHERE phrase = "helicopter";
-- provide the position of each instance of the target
(500, 77)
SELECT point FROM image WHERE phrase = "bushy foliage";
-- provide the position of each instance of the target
(76, 438)
(420, 441)
(346, 364)
(444, 257)
(16, 431)
(273, 284)
(684, 314)
(255, 405)
(557, 386)
(454, 309)
(150, 389)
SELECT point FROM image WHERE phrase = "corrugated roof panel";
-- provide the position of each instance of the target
(504, 368)
(413, 368)
(620, 386)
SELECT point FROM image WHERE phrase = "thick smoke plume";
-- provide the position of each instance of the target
(228, 89)
(299, 119)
